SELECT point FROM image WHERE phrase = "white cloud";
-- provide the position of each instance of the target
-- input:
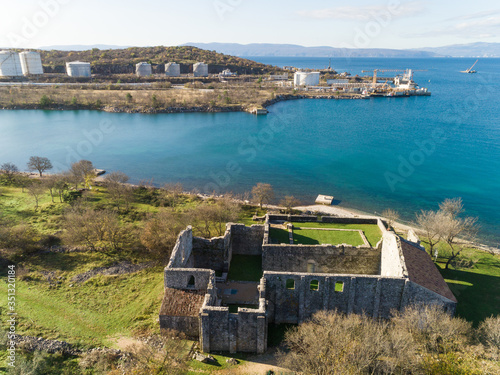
(364, 13)
(474, 27)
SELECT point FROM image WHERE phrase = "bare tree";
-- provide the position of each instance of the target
(82, 171)
(36, 190)
(452, 207)
(453, 228)
(262, 193)
(40, 164)
(211, 218)
(289, 202)
(391, 215)
(119, 191)
(160, 233)
(431, 223)
(100, 230)
(9, 170)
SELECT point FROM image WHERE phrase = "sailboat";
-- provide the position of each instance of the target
(470, 69)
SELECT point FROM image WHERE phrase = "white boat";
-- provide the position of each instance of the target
(470, 71)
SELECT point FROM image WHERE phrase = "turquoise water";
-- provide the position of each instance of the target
(404, 153)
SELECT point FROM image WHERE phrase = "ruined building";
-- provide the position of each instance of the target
(298, 280)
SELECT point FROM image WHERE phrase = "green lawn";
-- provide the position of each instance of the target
(325, 237)
(278, 235)
(247, 213)
(245, 268)
(477, 289)
(371, 231)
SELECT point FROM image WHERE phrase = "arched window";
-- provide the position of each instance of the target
(314, 285)
(191, 282)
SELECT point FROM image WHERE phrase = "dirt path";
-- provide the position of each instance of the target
(257, 365)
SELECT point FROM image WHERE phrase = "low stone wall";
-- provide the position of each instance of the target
(189, 325)
(326, 259)
(247, 240)
(392, 262)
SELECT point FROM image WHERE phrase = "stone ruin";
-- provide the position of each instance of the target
(297, 281)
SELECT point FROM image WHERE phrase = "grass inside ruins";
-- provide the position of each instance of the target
(278, 235)
(371, 231)
(245, 268)
(325, 237)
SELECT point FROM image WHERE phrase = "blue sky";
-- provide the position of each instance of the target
(362, 24)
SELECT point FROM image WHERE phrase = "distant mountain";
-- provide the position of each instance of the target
(479, 49)
(80, 47)
(292, 50)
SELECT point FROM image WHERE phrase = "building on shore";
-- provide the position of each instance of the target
(78, 69)
(10, 64)
(204, 301)
(306, 79)
(172, 69)
(143, 69)
(31, 63)
(200, 70)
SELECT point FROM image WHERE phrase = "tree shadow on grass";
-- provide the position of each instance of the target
(478, 295)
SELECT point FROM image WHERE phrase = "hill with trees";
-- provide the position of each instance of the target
(122, 61)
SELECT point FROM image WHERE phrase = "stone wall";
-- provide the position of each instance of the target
(295, 302)
(393, 263)
(212, 253)
(247, 240)
(189, 325)
(326, 259)
(245, 331)
(182, 278)
(182, 250)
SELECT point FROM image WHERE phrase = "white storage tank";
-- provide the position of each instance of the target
(172, 69)
(200, 70)
(10, 64)
(306, 79)
(78, 69)
(31, 63)
(143, 69)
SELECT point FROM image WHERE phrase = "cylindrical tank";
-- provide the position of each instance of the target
(306, 79)
(143, 69)
(31, 63)
(172, 70)
(10, 64)
(78, 69)
(200, 70)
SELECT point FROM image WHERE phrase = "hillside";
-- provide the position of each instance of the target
(292, 50)
(122, 61)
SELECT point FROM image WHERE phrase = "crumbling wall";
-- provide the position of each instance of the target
(247, 240)
(181, 253)
(245, 331)
(326, 259)
(418, 295)
(295, 302)
(189, 325)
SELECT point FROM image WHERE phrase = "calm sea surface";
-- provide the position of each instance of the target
(404, 153)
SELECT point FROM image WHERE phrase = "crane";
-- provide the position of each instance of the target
(409, 72)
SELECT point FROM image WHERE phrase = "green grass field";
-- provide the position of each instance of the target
(278, 235)
(371, 231)
(325, 237)
(477, 289)
(245, 268)
(92, 313)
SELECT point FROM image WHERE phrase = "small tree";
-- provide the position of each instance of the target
(36, 190)
(82, 171)
(9, 171)
(391, 215)
(40, 164)
(431, 223)
(116, 183)
(262, 193)
(289, 202)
